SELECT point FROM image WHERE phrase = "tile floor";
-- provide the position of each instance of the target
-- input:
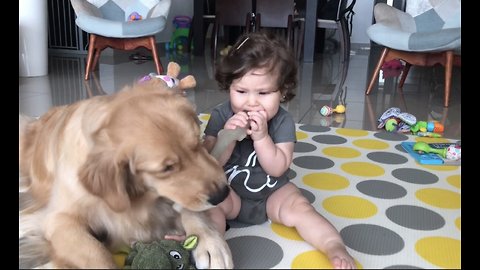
(319, 84)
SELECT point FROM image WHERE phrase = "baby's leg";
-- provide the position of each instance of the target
(289, 207)
(228, 209)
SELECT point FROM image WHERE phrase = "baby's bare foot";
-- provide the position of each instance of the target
(340, 258)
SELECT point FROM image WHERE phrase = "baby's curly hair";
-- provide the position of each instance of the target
(258, 50)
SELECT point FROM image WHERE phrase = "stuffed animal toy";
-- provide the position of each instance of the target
(171, 79)
(163, 254)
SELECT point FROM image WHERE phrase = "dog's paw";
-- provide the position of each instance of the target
(213, 252)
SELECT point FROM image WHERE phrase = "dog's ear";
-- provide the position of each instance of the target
(105, 176)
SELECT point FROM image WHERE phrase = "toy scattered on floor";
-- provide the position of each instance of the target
(392, 68)
(394, 120)
(171, 79)
(428, 134)
(163, 254)
(134, 16)
(452, 152)
(327, 111)
(430, 126)
(179, 39)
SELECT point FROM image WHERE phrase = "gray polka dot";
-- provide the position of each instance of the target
(302, 147)
(254, 252)
(387, 157)
(372, 239)
(307, 194)
(391, 136)
(329, 139)
(415, 176)
(415, 217)
(313, 162)
(402, 266)
(381, 189)
(314, 128)
(400, 148)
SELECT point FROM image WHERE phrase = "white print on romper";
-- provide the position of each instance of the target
(251, 161)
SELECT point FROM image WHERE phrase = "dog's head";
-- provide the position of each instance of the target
(148, 137)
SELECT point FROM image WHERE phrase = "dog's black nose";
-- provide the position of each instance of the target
(219, 196)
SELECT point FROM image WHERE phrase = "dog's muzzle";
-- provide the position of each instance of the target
(219, 196)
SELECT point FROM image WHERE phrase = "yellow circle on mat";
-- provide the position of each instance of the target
(441, 251)
(362, 169)
(454, 180)
(441, 168)
(326, 181)
(370, 144)
(439, 197)
(341, 152)
(458, 223)
(301, 135)
(314, 260)
(352, 132)
(286, 232)
(349, 206)
(205, 117)
(432, 140)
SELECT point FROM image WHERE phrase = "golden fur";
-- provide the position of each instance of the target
(110, 170)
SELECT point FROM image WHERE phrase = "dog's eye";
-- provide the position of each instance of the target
(168, 168)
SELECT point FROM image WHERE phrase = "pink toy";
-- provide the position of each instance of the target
(454, 152)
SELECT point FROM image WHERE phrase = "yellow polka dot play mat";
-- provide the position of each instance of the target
(390, 211)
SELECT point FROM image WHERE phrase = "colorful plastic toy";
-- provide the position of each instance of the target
(424, 126)
(134, 16)
(326, 110)
(179, 38)
(453, 152)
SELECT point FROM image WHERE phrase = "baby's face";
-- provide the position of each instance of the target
(256, 91)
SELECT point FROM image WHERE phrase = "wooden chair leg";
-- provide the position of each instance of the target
(156, 59)
(448, 76)
(405, 71)
(91, 49)
(377, 70)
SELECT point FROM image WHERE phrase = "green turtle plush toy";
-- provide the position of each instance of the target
(163, 254)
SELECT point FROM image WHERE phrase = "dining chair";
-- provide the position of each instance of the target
(278, 14)
(230, 13)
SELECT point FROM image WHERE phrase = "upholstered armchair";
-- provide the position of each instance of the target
(121, 24)
(426, 39)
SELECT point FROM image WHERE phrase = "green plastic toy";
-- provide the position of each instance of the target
(163, 254)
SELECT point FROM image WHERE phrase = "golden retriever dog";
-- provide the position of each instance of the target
(108, 171)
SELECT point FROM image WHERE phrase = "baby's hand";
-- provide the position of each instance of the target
(239, 119)
(258, 125)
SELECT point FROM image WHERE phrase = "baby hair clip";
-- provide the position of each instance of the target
(241, 44)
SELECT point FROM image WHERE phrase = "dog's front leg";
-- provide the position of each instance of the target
(212, 250)
(73, 245)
